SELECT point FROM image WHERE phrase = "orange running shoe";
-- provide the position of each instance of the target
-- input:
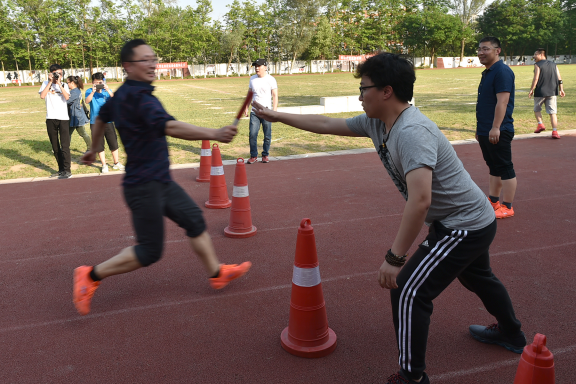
(555, 135)
(540, 128)
(504, 212)
(229, 272)
(495, 205)
(84, 288)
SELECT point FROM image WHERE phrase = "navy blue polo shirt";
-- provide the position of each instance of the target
(498, 78)
(140, 119)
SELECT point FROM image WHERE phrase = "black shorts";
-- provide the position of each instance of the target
(498, 156)
(149, 203)
(110, 135)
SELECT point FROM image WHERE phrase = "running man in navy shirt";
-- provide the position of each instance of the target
(149, 190)
(495, 125)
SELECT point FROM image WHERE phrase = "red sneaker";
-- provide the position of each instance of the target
(265, 159)
(229, 272)
(555, 135)
(252, 160)
(84, 288)
(504, 212)
(540, 128)
(495, 205)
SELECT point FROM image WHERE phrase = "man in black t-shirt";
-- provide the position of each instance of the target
(544, 87)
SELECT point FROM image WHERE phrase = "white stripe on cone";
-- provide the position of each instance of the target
(217, 171)
(206, 152)
(306, 277)
(240, 191)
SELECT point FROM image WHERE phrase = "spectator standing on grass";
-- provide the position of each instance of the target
(265, 91)
(439, 193)
(544, 87)
(75, 111)
(149, 190)
(56, 95)
(495, 125)
(97, 96)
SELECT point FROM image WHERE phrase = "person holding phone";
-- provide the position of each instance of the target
(97, 96)
(56, 95)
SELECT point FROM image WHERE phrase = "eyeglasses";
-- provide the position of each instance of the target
(147, 61)
(363, 88)
(486, 49)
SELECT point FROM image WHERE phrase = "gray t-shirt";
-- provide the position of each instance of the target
(415, 142)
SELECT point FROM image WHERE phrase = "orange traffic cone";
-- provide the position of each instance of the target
(218, 192)
(240, 217)
(536, 364)
(307, 334)
(205, 162)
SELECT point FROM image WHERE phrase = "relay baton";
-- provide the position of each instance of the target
(243, 108)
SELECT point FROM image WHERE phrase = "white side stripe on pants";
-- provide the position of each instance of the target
(420, 274)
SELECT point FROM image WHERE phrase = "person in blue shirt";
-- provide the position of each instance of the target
(97, 96)
(495, 125)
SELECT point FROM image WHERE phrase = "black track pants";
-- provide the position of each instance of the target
(446, 254)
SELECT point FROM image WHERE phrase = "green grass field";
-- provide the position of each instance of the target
(447, 96)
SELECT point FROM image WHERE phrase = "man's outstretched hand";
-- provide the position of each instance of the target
(265, 113)
(226, 134)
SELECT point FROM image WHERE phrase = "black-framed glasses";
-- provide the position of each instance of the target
(147, 61)
(363, 88)
(486, 49)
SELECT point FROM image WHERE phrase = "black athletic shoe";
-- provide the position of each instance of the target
(65, 175)
(56, 175)
(493, 335)
(401, 378)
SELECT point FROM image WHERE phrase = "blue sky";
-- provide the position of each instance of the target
(218, 6)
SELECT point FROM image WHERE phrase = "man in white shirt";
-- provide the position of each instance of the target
(265, 91)
(57, 121)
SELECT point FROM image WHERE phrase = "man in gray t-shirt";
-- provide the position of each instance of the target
(438, 192)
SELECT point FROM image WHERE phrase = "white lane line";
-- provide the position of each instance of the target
(168, 304)
(449, 376)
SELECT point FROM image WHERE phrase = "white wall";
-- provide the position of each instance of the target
(274, 68)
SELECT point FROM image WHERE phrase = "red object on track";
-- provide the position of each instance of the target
(205, 162)
(536, 364)
(307, 334)
(218, 191)
(244, 105)
(240, 216)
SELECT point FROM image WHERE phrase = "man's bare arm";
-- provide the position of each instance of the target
(312, 123)
(419, 182)
(275, 99)
(562, 93)
(185, 131)
(534, 80)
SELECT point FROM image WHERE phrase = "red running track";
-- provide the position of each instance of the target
(163, 324)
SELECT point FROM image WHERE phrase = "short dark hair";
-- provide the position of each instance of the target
(127, 51)
(492, 40)
(97, 76)
(390, 69)
(542, 51)
(55, 67)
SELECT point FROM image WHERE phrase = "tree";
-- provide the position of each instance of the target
(466, 10)
(510, 21)
(429, 29)
(298, 25)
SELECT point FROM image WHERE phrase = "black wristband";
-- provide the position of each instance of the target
(560, 82)
(395, 260)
